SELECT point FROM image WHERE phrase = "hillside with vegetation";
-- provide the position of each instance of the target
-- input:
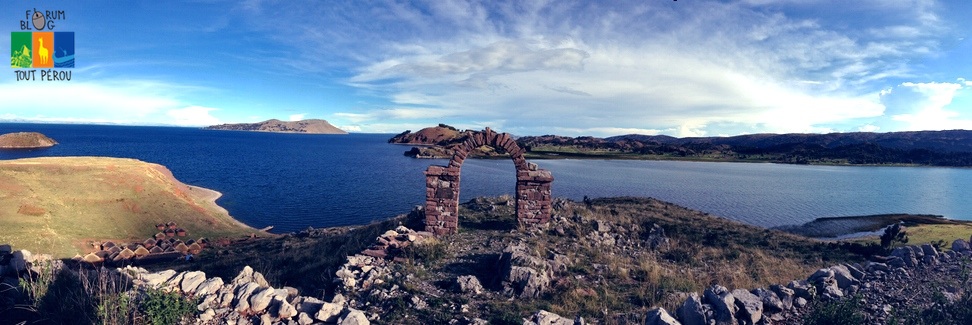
(58, 205)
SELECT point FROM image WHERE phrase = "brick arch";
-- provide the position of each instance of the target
(442, 185)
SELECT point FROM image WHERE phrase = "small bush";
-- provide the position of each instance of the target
(428, 252)
(841, 312)
(164, 308)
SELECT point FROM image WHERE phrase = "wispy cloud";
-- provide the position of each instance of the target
(682, 68)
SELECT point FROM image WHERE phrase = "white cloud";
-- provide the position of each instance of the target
(350, 128)
(135, 102)
(868, 128)
(926, 106)
(684, 70)
(297, 117)
(193, 116)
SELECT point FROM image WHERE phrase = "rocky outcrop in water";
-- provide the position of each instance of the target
(25, 140)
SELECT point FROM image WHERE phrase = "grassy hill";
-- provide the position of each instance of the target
(58, 205)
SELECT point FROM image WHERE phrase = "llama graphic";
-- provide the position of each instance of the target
(43, 52)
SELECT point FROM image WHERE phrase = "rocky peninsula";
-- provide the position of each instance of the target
(25, 140)
(310, 126)
(57, 205)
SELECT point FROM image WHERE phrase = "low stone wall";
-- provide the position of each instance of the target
(719, 305)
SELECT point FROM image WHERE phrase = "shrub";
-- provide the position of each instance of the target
(893, 233)
(164, 308)
(36, 284)
(841, 312)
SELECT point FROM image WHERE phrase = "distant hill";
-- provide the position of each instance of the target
(55, 205)
(25, 140)
(312, 126)
(926, 148)
(436, 135)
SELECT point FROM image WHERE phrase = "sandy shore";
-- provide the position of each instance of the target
(210, 196)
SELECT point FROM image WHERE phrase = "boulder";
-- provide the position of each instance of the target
(656, 237)
(329, 312)
(469, 284)
(844, 277)
(723, 304)
(523, 274)
(803, 289)
(260, 300)
(830, 290)
(248, 275)
(855, 270)
(191, 281)
(544, 317)
(784, 294)
(929, 260)
(20, 260)
(354, 317)
(875, 266)
(284, 309)
(771, 302)
(898, 262)
(907, 255)
(821, 275)
(602, 226)
(960, 245)
(242, 296)
(304, 319)
(691, 311)
(750, 307)
(929, 250)
(309, 305)
(210, 286)
(158, 278)
(799, 302)
(657, 316)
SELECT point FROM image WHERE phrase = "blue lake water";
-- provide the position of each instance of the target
(292, 181)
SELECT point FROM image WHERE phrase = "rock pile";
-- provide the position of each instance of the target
(872, 281)
(247, 299)
(392, 243)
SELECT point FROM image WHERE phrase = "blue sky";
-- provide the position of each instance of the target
(682, 68)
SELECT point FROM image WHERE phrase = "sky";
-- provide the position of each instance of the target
(598, 68)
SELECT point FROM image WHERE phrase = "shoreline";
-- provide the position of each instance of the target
(210, 196)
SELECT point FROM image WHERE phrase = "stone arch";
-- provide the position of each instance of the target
(442, 185)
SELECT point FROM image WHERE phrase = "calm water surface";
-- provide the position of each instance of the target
(292, 181)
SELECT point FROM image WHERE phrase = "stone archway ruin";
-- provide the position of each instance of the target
(442, 185)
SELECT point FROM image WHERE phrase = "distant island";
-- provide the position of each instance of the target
(312, 126)
(25, 140)
(916, 148)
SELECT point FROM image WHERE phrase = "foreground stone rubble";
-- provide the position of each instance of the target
(250, 299)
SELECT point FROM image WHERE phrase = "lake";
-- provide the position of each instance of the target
(292, 181)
